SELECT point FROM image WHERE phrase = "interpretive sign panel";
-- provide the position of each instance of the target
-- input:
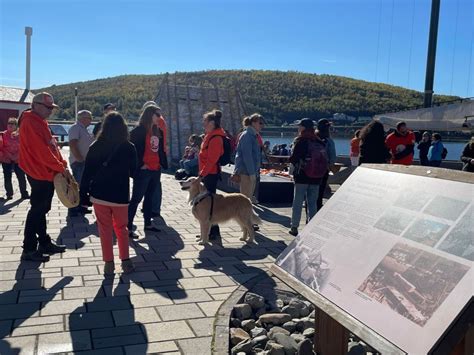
(393, 250)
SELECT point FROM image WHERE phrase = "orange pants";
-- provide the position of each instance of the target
(109, 219)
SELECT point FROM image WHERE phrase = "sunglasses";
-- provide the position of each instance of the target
(48, 107)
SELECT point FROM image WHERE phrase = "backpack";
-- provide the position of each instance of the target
(225, 158)
(444, 153)
(316, 161)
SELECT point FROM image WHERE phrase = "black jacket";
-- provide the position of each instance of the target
(467, 156)
(424, 147)
(373, 152)
(299, 153)
(138, 138)
(112, 182)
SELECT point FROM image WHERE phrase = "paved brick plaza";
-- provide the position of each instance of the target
(166, 306)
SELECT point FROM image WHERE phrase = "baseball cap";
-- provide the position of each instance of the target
(45, 99)
(324, 122)
(306, 123)
(109, 106)
(84, 113)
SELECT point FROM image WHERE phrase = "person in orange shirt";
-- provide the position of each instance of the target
(148, 139)
(41, 160)
(401, 144)
(355, 149)
(211, 150)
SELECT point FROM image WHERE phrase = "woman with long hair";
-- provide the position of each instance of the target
(372, 144)
(110, 163)
(148, 138)
(467, 156)
(9, 148)
(212, 148)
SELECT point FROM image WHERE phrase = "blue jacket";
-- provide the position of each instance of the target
(247, 157)
(435, 151)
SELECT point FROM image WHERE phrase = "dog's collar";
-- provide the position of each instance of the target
(201, 196)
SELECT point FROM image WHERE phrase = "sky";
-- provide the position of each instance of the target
(374, 40)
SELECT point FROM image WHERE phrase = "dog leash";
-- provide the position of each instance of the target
(195, 203)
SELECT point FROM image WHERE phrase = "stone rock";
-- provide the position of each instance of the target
(298, 337)
(274, 349)
(248, 325)
(280, 303)
(238, 335)
(289, 344)
(356, 349)
(242, 311)
(292, 311)
(244, 346)
(260, 311)
(276, 330)
(260, 341)
(255, 301)
(235, 323)
(312, 314)
(290, 326)
(275, 318)
(309, 333)
(257, 331)
(303, 324)
(305, 347)
(302, 307)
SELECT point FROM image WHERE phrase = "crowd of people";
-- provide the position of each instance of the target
(104, 161)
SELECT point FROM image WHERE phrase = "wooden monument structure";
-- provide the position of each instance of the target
(183, 106)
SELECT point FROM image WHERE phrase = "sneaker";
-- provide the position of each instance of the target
(293, 231)
(34, 256)
(256, 227)
(109, 268)
(133, 235)
(52, 248)
(127, 266)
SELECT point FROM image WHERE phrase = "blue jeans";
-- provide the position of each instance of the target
(77, 171)
(311, 193)
(189, 165)
(144, 185)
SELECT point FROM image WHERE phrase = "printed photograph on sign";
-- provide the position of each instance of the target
(426, 231)
(307, 265)
(460, 241)
(412, 200)
(394, 221)
(446, 207)
(413, 282)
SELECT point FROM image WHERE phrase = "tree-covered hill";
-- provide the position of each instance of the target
(279, 96)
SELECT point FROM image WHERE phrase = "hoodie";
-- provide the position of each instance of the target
(211, 150)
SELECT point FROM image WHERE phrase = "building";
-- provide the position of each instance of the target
(13, 101)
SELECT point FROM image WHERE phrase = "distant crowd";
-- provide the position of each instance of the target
(104, 162)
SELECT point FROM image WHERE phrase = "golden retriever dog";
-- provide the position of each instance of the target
(225, 207)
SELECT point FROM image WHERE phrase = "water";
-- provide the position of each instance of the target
(343, 145)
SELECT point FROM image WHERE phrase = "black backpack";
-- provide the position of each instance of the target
(225, 158)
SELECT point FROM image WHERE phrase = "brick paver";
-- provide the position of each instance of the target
(168, 305)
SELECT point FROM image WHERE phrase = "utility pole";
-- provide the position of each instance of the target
(430, 62)
(28, 33)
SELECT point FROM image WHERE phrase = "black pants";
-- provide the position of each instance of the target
(322, 189)
(8, 169)
(35, 227)
(210, 182)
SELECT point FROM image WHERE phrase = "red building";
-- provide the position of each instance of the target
(13, 101)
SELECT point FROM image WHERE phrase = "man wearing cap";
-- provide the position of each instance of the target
(323, 132)
(41, 160)
(79, 141)
(107, 108)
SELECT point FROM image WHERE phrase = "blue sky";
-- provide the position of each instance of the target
(374, 40)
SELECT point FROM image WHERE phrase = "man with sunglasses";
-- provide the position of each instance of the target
(41, 160)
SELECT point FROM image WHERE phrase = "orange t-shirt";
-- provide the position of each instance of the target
(150, 157)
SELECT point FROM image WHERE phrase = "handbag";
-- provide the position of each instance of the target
(67, 189)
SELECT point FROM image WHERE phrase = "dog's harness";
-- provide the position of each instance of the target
(199, 198)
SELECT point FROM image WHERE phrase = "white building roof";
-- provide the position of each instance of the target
(16, 95)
